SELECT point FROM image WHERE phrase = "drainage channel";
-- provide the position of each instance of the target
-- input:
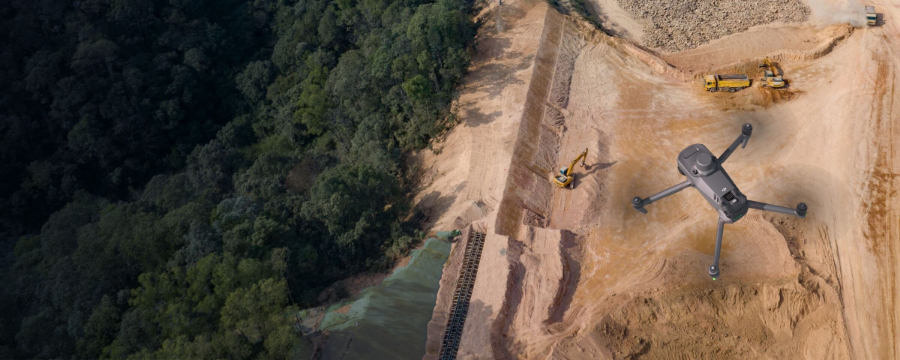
(461, 297)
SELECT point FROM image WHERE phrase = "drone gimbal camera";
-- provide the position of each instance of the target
(705, 173)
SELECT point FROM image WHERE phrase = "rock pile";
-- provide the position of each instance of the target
(681, 25)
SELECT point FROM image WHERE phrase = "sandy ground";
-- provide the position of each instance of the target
(578, 273)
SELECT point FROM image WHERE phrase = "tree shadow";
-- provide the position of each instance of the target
(432, 206)
(495, 76)
(474, 117)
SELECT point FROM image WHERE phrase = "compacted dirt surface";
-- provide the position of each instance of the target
(579, 274)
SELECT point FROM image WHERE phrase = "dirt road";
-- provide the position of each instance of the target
(579, 274)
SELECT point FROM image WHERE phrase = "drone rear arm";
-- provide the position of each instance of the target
(800, 211)
(639, 203)
(746, 130)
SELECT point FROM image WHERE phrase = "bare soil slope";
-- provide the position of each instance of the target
(579, 274)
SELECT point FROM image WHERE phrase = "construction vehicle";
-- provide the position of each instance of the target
(566, 175)
(871, 16)
(771, 79)
(730, 82)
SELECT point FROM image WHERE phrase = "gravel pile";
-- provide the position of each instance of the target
(682, 25)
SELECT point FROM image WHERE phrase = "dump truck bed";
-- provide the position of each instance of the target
(733, 77)
(733, 81)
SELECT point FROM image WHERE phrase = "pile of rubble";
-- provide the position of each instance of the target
(681, 25)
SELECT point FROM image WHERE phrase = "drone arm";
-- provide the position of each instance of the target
(800, 211)
(639, 203)
(746, 130)
(714, 268)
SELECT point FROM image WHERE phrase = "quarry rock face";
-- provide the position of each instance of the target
(681, 25)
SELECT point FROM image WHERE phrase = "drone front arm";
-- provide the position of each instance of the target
(800, 211)
(639, 203)
(746, 130)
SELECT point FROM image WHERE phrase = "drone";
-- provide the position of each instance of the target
(705, 173)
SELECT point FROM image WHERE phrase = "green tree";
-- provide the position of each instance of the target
(253, 80)
(100, 329)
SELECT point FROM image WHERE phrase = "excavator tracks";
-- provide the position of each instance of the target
(461, 297)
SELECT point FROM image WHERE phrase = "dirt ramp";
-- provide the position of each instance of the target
(488, 306)
(741, 52)
(540, 277)
(527, 186)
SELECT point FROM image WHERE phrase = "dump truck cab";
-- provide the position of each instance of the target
(710, 81)
(871, 16)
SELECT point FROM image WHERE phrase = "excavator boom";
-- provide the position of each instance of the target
(582, 157)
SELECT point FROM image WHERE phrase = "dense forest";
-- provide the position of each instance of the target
(179, 177)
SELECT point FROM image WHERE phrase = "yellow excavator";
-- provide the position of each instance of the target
(566, 174)
(771, 79)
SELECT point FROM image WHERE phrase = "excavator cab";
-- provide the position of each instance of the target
(562, 178)
(770, 79)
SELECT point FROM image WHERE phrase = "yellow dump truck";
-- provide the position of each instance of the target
(730, 82)
(871, 16)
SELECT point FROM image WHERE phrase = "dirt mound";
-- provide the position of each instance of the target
(731, 322)
(677, 26)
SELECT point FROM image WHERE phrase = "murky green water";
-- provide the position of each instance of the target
(389, 320)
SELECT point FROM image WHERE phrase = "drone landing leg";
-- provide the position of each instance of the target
(714, 268)
(639, 203)
(800, 211)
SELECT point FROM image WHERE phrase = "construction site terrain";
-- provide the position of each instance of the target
(577, 273)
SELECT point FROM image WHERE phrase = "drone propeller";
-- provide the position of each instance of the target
(638, 204)
(746, 131)
(801, 210)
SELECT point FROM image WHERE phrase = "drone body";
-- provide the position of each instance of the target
(705, 173)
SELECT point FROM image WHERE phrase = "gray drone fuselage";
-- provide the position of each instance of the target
(704, 172)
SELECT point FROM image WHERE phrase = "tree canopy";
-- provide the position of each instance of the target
(179, 177)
